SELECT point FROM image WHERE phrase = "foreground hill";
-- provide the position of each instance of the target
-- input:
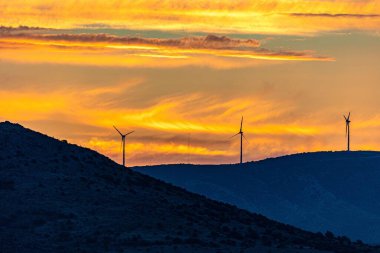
(57, 197)
(336, 191)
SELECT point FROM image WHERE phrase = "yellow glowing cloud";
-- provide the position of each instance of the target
(23, 105)
(168, 117)
(113, 89)
(251, 16)
(113, 147)
(172, 115)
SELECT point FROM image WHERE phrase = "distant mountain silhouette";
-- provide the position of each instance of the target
(57, 197)
(337, 191)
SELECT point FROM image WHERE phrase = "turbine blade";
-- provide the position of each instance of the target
(241, 124)
(118, 131)
(234, 135)
(349, 114)
(245, 138)
(344, 116)
(128, 133)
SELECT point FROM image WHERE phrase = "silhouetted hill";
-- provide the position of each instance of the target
(57, 197)
(336, 191)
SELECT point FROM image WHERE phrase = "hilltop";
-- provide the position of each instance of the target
(335, 191)
(58, 197)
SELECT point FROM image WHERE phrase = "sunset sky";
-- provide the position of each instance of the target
(182, 74)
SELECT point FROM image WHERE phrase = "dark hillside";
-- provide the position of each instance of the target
(57, 197)
(336, 191)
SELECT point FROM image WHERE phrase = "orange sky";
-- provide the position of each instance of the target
(258, 16)
(182, 75)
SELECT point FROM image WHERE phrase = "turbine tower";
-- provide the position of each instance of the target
(348, 121)
(241, 139)
(123, 142)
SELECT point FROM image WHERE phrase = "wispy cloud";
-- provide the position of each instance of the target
(206, 42)
(336, 15)
(108, 49)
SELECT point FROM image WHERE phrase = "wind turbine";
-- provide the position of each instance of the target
(348, 121)
(123, 141)
(241, 139)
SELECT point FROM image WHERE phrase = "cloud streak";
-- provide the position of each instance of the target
(108, 49)
(337, 15)
(205, 42)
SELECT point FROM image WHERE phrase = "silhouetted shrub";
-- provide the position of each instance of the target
(64, 236)
(194, 233)
(213, 235)
(91, 239)
(252, 234)
(177, 240)
(234, 234)
(193, 241)
(329, 235)
(19, 153)
(344, 240)
(106, 242)
(65, 159)
(159, 225)
(319, 235)
(360, 242)
(228, 242)
(7, 184)
(266, 241)
(137, 240)
(39, 222)
(226, 229)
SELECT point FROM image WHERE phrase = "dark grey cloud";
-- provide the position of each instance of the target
(338, 15)
(194, 42)
(96, 26)
(21, 28)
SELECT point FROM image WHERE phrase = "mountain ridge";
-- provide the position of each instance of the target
(316, 191)
(59, 197)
